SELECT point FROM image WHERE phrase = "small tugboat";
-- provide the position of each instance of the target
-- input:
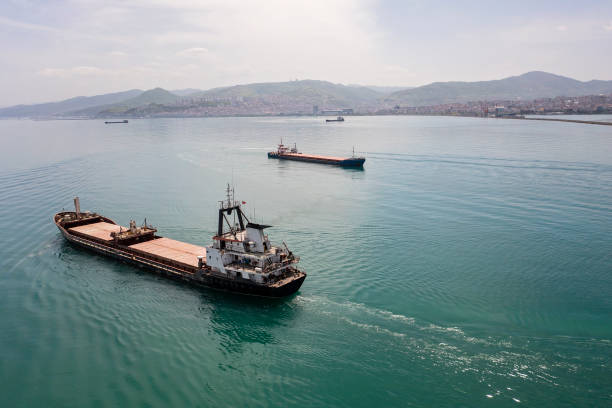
(241, 258)
(286, 153)
(109, 122)
(338, 119)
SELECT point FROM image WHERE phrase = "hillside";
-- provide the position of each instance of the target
(299, 97)
(384, 90)
(157, 96)
(185, 92)
(531, 85)
(306, 91)
(55, 108)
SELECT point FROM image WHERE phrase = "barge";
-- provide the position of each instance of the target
(286, 153)
(241, 258)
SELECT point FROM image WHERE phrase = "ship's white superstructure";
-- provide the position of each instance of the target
(244, 250)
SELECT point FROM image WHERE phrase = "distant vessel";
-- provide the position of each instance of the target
(286, 153)
(338, 119)
(241, 258)
(117, 121)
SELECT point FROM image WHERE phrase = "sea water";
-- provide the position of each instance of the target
(468, 264)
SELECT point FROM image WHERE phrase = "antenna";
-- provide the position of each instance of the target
(234, 199)
(228, 192)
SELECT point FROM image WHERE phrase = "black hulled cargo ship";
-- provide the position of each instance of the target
(241, 258)
(286, 153)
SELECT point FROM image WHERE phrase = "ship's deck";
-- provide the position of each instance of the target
(101, 230)
(174, 250)
(314, 156)
(170, 249)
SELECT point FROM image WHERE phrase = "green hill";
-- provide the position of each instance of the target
(310, 91)
(61, 107)
(531, 85)
(300, 96)
(156, 96)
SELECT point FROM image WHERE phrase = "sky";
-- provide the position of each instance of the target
(56, 49)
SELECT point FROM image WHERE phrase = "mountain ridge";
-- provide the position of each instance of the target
(301, 97)
(66, 105)
(307, 88)
(530, 85)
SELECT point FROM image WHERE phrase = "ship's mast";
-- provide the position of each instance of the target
(230, 195)
(227, 207)
(77, 207)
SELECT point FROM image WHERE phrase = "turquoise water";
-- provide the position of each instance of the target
(469, 264)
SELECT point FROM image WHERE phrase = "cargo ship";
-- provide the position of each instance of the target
(286, 153)
(109, 122)
(338, 119)
(241, 258)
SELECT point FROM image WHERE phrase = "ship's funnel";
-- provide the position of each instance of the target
(77, 207)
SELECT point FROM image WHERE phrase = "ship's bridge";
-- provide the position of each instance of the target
(248, 240)
(242, 247)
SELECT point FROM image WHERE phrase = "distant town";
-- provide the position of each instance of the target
(285, 106)
(532, 93)
(590, 104)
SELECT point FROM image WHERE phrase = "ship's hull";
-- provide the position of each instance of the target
(348, 162)
(209, 280)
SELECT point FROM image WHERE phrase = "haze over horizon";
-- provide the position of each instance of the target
(87, 47)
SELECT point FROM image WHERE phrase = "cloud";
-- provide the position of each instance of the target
(171, 37)
(70, 72)
(95, 46)
(202, 44)
(26, 26)
(398, 72)
(85, 70)
(194, 52)
(544, 31)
